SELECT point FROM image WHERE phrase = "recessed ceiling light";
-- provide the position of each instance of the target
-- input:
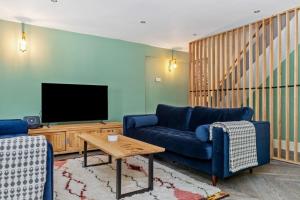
(143, 22)
(256, 11)
(194, 34)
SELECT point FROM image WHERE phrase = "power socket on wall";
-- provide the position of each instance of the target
(157, 79)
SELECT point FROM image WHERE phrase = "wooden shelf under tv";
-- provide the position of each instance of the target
(64, 138)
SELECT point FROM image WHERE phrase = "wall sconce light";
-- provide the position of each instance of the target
(23, 44)
(172, 62)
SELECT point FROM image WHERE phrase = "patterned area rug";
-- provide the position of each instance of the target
(73, 182)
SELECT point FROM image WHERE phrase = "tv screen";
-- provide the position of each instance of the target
(70, 102)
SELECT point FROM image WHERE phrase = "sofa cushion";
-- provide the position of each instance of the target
(204, 115)
(173, 117)
(202, 132)
(181, 142)
(141, 121)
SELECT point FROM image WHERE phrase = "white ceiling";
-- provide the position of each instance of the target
(170, 23)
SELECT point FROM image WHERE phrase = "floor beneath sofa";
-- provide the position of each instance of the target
(276, 181)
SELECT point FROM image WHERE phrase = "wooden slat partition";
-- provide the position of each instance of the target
(192, 69)
(257, 67)
(200, 72)
(203, 73)
(287, 88)
(206, 72)
(279, 108)
(232, 59)
(238, 70)
(271, 97)
(222, 66)
(217, 70)
(196, 71)
(264, 71)
(227, 56)
(244, 67)
(252, 66)
(209, 71)
(296, 94)
(213, 66)
(190, 75)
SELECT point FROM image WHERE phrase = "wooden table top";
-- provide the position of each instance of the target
(122, 148)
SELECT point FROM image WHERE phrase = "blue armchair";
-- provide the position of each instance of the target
(183, 132)
(17, 127)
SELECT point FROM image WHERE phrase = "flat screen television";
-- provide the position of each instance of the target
(71, 102)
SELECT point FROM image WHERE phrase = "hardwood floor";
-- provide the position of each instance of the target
(276, 181)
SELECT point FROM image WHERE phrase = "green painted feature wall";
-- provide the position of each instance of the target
(283, 99)
(165, 90)
(66, 57)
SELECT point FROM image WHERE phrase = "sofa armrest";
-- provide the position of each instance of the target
(13, 128)
(48, 188)
(220, 158)
(129, 121)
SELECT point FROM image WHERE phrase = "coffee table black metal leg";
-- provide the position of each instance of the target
(119, 194)
(118, 178)
(150, 172)
(85, 158)
(85, 154)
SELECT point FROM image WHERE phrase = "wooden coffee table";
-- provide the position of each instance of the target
(124, 147)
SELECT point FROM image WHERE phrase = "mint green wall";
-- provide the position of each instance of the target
(165, 91)
(283, 99)
(66, 57)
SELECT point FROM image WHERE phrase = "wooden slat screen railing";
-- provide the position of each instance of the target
(255, 65)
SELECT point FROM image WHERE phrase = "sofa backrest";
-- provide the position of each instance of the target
(204, 115)
(173, 117)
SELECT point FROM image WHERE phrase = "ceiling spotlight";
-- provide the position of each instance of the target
(194, 34)
(143, 22)
(256, 11)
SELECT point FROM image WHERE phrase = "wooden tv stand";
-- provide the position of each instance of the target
(64, 138)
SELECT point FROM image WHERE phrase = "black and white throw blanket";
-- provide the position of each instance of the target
(242, 143)
(23, 167)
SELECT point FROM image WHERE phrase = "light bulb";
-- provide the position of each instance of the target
(23, 44)
(172, 64)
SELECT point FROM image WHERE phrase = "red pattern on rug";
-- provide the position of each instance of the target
(136, 168)
(69, 189)
(179, 194)
(59, 163)
(185, 195)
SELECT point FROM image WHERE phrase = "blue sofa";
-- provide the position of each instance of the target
(183, 132)
(17, 127)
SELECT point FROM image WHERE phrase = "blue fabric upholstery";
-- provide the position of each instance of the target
(220, 159)
(202, 132)
(17, 127)
(13, 127)
(194, 163)
(204, 115)
(141, 121)
(177, 141)
(48, 191)
(173, 117)
(191, 147)
(129, 123)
